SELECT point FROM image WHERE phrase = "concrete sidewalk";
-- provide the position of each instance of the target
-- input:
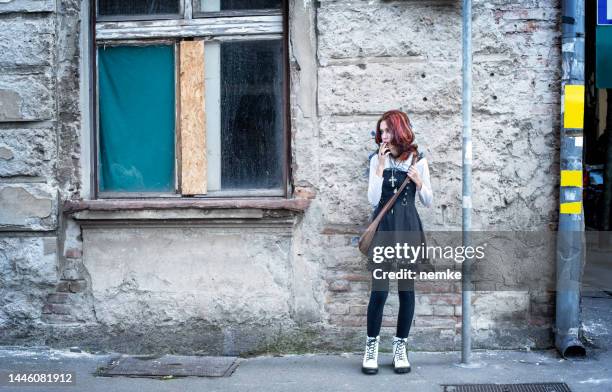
(341, 372)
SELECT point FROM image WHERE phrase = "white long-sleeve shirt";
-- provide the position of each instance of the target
(375, 182)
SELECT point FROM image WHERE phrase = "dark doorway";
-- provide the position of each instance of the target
(597, 196)
(597, 169)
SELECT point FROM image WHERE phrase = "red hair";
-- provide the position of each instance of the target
(401, 129)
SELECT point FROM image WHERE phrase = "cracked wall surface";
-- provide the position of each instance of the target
(150, 288)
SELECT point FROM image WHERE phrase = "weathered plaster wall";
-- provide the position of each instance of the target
(39, 128)
(71, 282)
(373, 56)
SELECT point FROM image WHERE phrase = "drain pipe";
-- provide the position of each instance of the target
(466, 222)
(570, 244)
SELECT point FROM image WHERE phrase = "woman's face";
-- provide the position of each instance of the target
(387, 137)
(385, 132)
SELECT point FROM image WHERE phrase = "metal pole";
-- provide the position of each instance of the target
(466, 101)
(570, 244)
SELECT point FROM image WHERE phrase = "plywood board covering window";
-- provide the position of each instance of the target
(192, 118)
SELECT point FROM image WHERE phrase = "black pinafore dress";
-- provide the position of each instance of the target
(401, 224)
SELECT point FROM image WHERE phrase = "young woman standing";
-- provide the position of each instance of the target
(397, 158)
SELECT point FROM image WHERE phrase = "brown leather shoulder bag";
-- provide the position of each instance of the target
(365, 241)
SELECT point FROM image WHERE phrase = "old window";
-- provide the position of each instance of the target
(220, 6)
(190, 98)
(148, 8)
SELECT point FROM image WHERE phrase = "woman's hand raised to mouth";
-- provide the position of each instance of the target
(383, 151)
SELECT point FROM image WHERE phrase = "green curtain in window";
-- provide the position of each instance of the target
(136, 116)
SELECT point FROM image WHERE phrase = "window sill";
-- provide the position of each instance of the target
(205, 210)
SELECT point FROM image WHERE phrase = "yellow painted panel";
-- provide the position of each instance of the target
(573, 117)
(571, 208)
(571, 178)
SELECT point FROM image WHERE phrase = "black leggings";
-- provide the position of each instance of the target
(405, 313)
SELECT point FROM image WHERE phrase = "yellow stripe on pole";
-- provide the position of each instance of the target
(573, 116)
(571, 178)
(574, 207)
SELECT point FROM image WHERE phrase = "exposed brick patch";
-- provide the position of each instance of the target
(339, 285)
(423, 310)
(435, 287)
(435, 322)
(357, 277)
(458, 310)
(63, 286)
(56, 309)
(337, 309)
(73, 253)
(443, 310)
(348, 321)
(358, 310)
(52, 318)
(57, 298)
(77, 286)
(441, 299)
(542, 310)
(304, 192)
(71, 286)
(540, 321)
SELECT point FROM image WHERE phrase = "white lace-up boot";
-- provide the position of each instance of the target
(370, 357)
(400, 357)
